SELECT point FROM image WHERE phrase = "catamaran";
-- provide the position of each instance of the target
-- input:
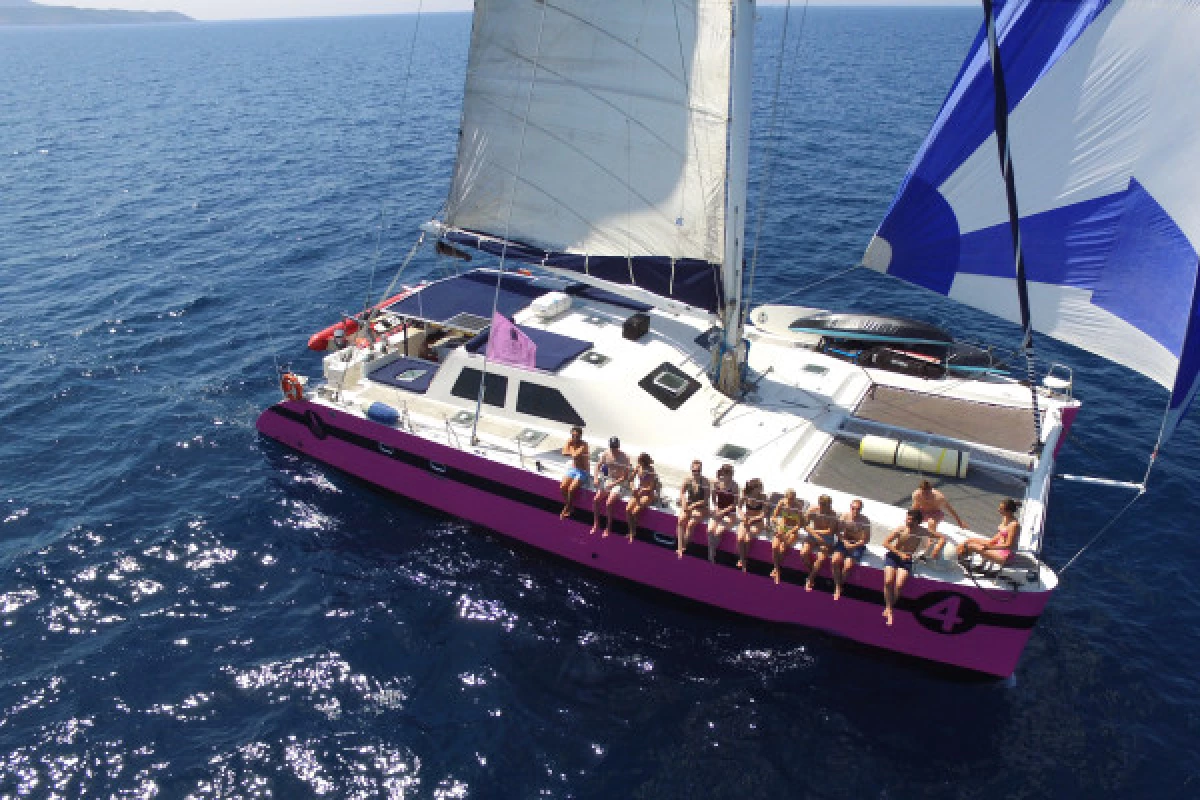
(602, 165)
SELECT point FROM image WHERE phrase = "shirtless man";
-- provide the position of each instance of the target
(577, 450)
(854, 533)
(613, 470)
(693, 506)
(822, 528)
(933, 506)
(901, 545)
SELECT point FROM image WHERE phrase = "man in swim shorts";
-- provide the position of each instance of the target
(901, 545)
(577, 450)
(853, 535)
(613, 471)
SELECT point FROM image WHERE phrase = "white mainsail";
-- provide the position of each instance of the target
(599, 129)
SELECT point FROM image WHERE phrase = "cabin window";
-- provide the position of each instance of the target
(495, 387)
(670, 385)
(547, 403)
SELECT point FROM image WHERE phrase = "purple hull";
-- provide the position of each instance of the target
(960, 626)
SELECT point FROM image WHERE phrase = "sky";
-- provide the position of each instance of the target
(265, 9)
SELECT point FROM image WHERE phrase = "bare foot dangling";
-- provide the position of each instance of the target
(775, 575)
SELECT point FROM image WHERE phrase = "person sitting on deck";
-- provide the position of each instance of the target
(854, 533)
(613, 471)
(822, 530)
(933, 506)
(1000, 548)
(577, 450)
(754, 516)
(901, 545)
(693, 505)
(725, 504)
(644, 489)
(788, 519)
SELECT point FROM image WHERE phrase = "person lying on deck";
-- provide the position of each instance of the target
(754, 519)
(822, 528)
(1000, 548)
(577, 450)
(854, 533)
(725, 505)
(787, 519)
(693, 505)
(644, 488)
(933, 506)
(613, 471)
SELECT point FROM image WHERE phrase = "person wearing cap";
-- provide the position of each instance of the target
(613, 471)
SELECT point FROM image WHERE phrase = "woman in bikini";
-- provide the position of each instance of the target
(788, 519)
(693, 506)
(754, 518)
(644, 489)
(1000, 548)
(725, 505)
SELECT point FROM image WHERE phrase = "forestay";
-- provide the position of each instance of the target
(594, 140)
(1105, 131)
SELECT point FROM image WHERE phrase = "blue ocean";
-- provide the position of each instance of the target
(188, 611)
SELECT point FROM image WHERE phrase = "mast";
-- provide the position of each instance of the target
(730, 357)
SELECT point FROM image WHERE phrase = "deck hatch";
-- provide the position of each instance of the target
(670, 385)
(734, 453)
(595, 359)
(471, 323)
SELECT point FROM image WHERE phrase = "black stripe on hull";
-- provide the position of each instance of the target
(663, 540)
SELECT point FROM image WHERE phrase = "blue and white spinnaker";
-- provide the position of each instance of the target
(1104, 131)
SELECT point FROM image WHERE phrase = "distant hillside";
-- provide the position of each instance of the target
(25, 12)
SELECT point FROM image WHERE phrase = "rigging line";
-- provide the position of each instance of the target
(408, 259)
(375, 260)
(274, 353)
(815, 284)
(1103, 530)
(769, 164)
(1014, 215)
(508, 223)
(412, 47)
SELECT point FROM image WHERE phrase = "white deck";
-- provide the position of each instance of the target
(792, 426)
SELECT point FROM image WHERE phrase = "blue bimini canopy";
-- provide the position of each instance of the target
(474, 293)
(554, 351)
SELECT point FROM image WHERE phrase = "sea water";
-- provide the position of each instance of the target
(188, 610)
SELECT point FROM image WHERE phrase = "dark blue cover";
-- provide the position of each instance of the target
(389, 374)
(474, 293)
(688, 280)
